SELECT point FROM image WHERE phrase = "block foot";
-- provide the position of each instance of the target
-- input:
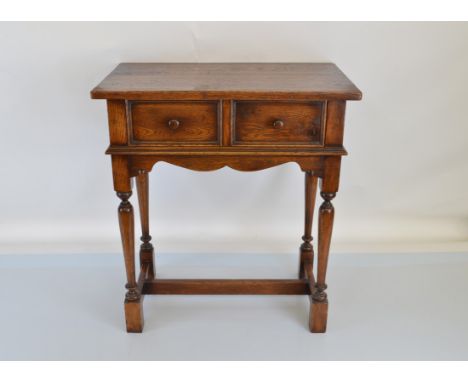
(318, 317)
(134, 315)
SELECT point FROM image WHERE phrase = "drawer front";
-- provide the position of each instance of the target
(178, 123)
(278, 123)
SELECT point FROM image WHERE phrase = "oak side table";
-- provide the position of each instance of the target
(245, 116)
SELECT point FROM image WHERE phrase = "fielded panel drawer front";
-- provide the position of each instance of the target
(278, 123)
(179, 123)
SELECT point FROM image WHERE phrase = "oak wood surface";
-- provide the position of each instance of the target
(146, 248)
(142, 278)
(151, 81)
(248, 117)
(175, 122)
(318, 317)
(209, 163)
(325, 222)
(306, 258)
(134, 316)
(127, 233)
(117, 119)
(335, 123)
(270, 151)
(278, 123)
(226, 286)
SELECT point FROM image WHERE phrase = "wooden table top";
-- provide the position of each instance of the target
(139, 81)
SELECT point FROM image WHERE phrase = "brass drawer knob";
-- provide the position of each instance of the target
(173, 124)
(278, 123)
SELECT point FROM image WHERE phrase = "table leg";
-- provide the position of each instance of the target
(319, 300)
(133, 301)
(306, 249)
(319, 307)
(146, 248)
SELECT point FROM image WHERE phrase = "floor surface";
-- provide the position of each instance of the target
(382, 307)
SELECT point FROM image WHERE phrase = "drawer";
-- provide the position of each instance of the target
(278, 123)
(179, 123)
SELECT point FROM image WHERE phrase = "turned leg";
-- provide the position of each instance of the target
(146, 248)
(133, 300)
(319, 306)
(306, 250)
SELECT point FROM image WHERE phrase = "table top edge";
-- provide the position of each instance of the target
(304, 80)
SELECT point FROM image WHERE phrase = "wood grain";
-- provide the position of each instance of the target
(134, 316)
(209, 163)
(318, 316)
(193, 122)
(335, 123)
(121, 173)
(227, 122)
(226, 286)
(306, 258)
(270, 151)
(146, 248)
(117, 119)
(325, 222)
(278, 123)
(182, 81)
(127, 233)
